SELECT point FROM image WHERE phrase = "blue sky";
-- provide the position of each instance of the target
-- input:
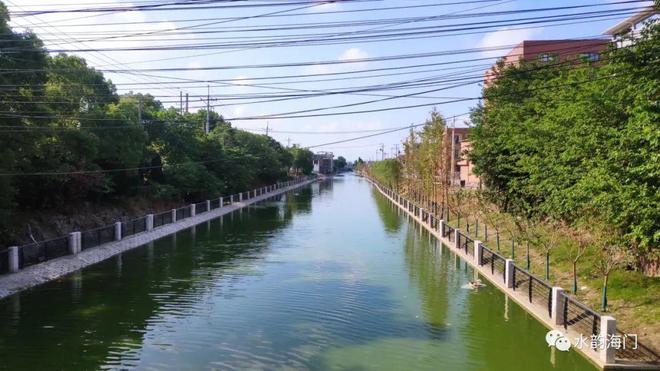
(61, 30)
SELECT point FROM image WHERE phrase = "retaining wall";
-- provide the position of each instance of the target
(78, 258)
(550, 305)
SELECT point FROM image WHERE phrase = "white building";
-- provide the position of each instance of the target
(625, 32)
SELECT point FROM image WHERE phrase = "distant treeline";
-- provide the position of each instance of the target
(66, 136)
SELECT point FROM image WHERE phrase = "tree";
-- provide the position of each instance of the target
(340, 163)
(611, 255)
(387, 171)
(23, 88)
(303, 160)
(581, 244)
(554, 140)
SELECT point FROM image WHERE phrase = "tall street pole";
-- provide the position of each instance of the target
(208, 110)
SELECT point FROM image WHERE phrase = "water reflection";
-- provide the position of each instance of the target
(390, 217)
(326, 277)
(110, 307)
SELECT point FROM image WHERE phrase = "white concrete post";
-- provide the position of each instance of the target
(74, 243)
(13, 259)
(231, 199)
(150, 222)
(457, 244)
(173, 215)
(193, 210)
(607, 329)
(508, 269)
(240, 197)
(477, 252)
(117, 231)
(221, 202)
(441, 226)
(557, 305)
(208, 205)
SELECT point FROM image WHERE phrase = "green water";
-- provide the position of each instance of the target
(328, 277)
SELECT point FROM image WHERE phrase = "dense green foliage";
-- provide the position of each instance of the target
(578, 142)
(303, 160)
(340, 163)
(387, 171)
(68, 137)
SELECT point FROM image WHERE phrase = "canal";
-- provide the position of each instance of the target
(330, 276)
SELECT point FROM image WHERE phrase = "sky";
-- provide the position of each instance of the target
(232, 89)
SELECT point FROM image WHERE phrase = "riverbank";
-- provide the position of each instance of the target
(633, 297)
(52, 269)
(551, 308)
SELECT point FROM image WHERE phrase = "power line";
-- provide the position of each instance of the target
(101, 171)
(310, 63)
(192, 6)
(376, 134)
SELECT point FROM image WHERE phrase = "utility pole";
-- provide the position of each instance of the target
(288, 142)
(186, 102)
(140, 109)
(266, 128)
(382, 151)
(451, 171)
(208, 109)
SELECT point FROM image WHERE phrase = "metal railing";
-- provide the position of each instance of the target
(4, 261)
(200, 207)
(37, 252)
(451, 234)
(163, 218)
(579, 317)
(573, 315)
(631, 351)
(134, 226)
(97, 236)
(183, 213)
(468, 242)
(538, 292)
(499, 265)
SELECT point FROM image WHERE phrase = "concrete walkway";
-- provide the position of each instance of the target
(52, 269)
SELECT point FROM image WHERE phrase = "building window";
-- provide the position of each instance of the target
(591, 57)
(547, 57)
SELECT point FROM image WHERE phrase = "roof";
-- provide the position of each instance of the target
(624, 25)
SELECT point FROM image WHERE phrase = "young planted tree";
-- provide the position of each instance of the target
(581, 243)
(410, 146)
(431, 149)
(546, 238)
(611, 256)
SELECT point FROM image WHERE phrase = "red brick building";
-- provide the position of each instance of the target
(551, 51)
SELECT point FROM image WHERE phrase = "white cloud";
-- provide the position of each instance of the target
(348, 54)
(328, 6)
(239, 111)
(353, 53)
(505, 37)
